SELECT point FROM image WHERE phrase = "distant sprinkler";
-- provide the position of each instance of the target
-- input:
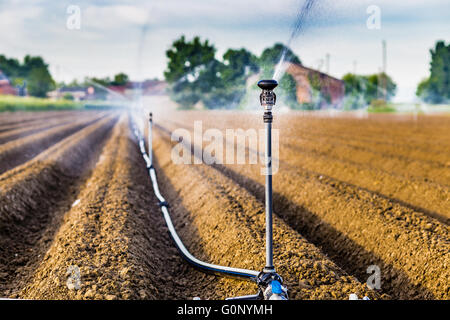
(267, 97)
(269, 281)
(150, 139)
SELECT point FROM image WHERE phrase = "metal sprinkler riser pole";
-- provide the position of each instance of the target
(267, 100)
(150, 138)
(268, 194)
(270, 283)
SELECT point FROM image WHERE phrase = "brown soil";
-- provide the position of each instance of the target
(355, 226)
(21, 150)
(349, 193)
(117, 238)
(33, 196)
(412, 172)
(229, 223)
(39, 126)
(14, 120)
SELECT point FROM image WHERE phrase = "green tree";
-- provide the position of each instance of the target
(73, 84)
(39, 82)
(362, 90)
(68, 96)
(271, 56)
(355, 87)
(11, 67)
(354, 83)
(33, 70)
(192, 70)
(30, 63)
(423, 91)
(196, 75)
(101, 81)
(287, 86)
(238, 65)
(120, 79)
(380, 86)
(436, 88)
(188, 58)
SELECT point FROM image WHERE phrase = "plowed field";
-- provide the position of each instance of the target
(79, 220)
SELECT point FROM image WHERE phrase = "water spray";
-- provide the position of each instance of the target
(150, 139)
(297, 29)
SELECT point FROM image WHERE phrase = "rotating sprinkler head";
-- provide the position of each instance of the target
(267, 97)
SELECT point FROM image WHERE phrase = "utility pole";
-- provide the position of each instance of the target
(384, 76)
(320, 63)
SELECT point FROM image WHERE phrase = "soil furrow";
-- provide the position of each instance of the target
(14, 120)
(424, 132)
(33, 198)
(311, 209)
(423, 196)
(402, 151)
(19, 151)
(431, 198)
(230, 222)
(117, 238)
(357, 229)
(388, 163)
(296, 127)
(40, 126)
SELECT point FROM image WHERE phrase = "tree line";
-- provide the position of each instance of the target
(436, 88)
(31, 73)
(196, 75)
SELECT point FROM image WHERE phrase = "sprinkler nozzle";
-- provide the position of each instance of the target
(267, 97)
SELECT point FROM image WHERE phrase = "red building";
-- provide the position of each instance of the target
(330, 87)
(5, 86)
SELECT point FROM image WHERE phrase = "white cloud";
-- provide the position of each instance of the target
(113, 17)
(110, 31)
(13, 21)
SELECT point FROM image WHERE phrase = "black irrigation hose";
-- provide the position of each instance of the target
(203, 266)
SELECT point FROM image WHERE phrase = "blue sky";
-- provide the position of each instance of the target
(111, 31)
